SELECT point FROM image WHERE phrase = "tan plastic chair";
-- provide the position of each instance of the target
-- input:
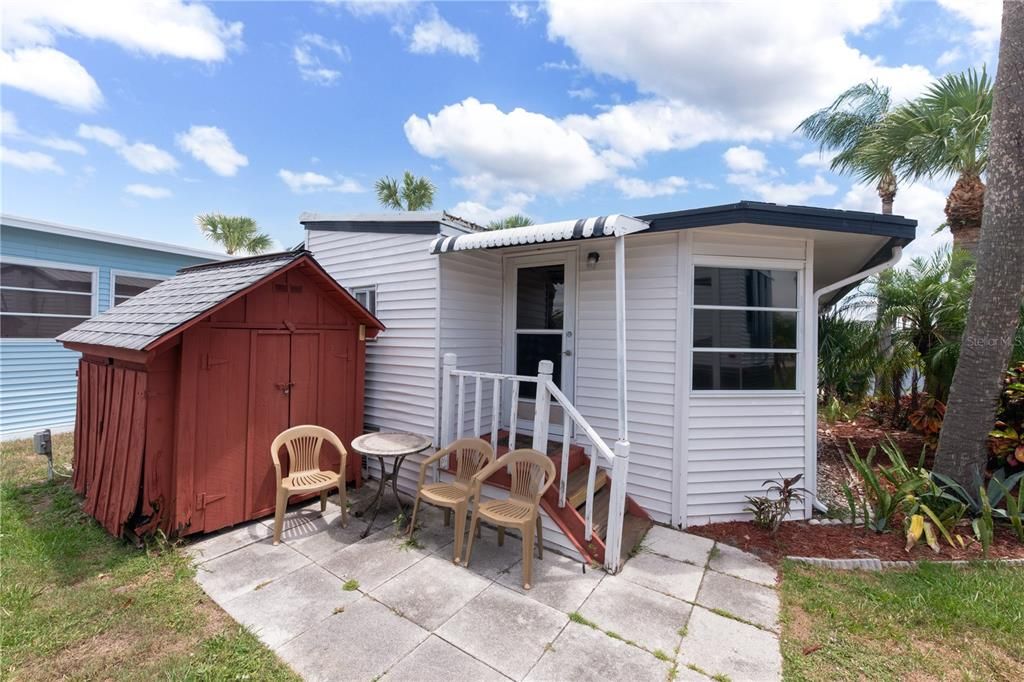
(532, 473)
(304, 473)
(471, 455)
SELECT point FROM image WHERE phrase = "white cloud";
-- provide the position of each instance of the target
(766, 186)
(923, 201)
(655, 125)
(308, 182)
(30, 161)
(11, 128)
(638, 188)
(582, 93)
(819, 160)
(51, 74)
(521, 12)
(107, 136)
(307, 55)
(517, 151)
(166, 28)
(148, 191)
(212, 146)
(434, 35)
(786, 59)
(143, 156)
(481, 214)
(984, 18)
(954, 54)
(743, 159)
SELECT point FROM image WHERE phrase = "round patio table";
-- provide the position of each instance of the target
(384, 445)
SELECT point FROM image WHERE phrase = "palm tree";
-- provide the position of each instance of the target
(235, 233)
(995, 306)
(414, 194)
(514, 220)
(943, 133)
(848, 126)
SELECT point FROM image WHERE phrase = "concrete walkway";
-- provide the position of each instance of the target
(335, 607)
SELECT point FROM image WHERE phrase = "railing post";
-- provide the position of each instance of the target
(542, 407)
(448, 365)
(616, 506)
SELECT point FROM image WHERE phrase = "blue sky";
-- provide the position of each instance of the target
(135, 117)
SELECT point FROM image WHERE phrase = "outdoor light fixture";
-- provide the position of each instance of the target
(592, 259)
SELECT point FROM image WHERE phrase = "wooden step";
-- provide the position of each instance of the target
(600, 517)
(576, 486)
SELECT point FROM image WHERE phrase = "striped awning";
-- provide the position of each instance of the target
(585, 228)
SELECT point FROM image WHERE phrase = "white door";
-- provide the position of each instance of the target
(540, 305)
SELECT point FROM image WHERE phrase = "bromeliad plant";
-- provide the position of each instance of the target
(769, 513)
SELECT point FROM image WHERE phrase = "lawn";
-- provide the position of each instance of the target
(77, 603)
(937, 622)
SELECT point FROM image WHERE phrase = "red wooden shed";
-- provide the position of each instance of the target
(182, 388)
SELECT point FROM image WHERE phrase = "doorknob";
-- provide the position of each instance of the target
(567, 352)
(285, 388)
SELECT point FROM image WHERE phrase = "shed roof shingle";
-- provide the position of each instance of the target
(143, 319)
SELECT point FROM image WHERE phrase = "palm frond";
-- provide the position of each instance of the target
(388, 195)
(514, 220)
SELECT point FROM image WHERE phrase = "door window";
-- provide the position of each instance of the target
(540, 321)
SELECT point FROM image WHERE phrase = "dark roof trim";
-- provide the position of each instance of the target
(808, 217)
(427, 227)
(404, 222)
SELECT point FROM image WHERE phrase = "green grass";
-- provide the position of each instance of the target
(936, 622)
(350, 585)
(580, 619)
(77, 603)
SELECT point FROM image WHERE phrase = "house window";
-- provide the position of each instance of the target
(126, 286)
(367, 297)
(42, 301)
(745, 329)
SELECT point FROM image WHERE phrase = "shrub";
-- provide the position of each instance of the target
(1006, 440)
(769, 513)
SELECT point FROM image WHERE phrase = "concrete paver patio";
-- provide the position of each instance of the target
(335, 607)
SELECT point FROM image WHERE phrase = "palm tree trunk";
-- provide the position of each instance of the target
(965, 207)
(887, 192)
(999, 285)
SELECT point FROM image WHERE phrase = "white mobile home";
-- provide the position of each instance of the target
(682, 345)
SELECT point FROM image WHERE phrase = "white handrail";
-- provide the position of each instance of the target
(617, 459)
(600, 446)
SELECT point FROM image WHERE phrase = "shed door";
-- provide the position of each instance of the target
(269, 406)
(222, 385)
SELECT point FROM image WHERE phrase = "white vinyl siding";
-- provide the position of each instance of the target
(471, 324)
(734, 444)
(401, 366)
(652, 290)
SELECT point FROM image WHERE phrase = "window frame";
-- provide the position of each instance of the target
(366, 288)
(725, 262)
(93, 271)
(129, 273)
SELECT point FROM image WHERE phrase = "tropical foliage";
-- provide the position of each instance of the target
(769, 512)
(931, 505)
(849, 127)
(514, 220)
(237, 234)
(410, 194)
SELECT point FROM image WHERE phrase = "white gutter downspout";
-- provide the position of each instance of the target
(897, 253)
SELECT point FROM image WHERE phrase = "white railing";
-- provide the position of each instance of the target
(616, 458)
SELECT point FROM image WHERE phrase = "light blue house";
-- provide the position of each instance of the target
(51, 278)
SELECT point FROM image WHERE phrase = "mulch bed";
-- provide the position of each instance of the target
(799, 538)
